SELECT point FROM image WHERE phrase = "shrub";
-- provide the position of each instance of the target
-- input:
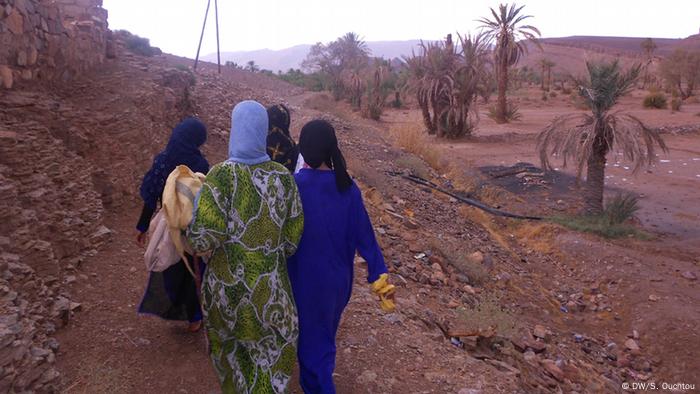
(544, 96)
(488, 315)
(373, 111)
(566, 90)
(609, 224)
(411, 139)
(655, 100)
(138, 45)
(552, 94)
(621, 208)
(512, 112)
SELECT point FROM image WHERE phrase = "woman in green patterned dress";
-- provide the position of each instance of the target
(249, 216)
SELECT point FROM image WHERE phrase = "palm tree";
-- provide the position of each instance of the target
(648, 46)
(543, 66)
(507, 34)
(588, 138)
(447, 83)
(549, 64)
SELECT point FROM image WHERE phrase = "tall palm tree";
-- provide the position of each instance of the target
(353, 49)
(588, 138)
(509, 38)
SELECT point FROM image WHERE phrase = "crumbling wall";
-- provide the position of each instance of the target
(49, 40)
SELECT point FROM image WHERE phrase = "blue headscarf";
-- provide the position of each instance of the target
(248, 140)
(182, 148)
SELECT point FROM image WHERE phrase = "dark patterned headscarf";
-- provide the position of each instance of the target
(318, 145)
(280, 145)
(182, 148)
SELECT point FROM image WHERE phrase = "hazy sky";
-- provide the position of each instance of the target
(175, 25)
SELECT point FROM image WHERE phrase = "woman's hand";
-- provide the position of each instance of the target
(141, 239)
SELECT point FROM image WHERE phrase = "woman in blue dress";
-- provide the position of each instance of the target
(336, 225)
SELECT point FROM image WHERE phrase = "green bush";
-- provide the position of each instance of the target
(621, 208)
(655, 100)
(552, 94)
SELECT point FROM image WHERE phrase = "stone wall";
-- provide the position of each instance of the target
(50, 40)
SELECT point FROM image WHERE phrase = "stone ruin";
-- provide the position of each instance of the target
(42, 41)
(50, 40)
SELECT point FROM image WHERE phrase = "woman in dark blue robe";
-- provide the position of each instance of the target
(336, 225)
(280, 144)
(172, 294)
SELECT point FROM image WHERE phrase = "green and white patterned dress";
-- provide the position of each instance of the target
(250, 217)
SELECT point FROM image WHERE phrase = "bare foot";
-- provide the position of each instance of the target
(194, 327)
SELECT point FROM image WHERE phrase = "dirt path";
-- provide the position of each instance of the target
(429, 242)
(108, 348)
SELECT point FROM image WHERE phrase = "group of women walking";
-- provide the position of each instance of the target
(280, 224)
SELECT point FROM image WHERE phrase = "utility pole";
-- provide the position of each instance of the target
(201, 36)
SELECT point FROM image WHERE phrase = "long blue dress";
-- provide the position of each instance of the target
(321, 272)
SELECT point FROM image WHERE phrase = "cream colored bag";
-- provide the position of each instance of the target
(161, 252)
(167, 244)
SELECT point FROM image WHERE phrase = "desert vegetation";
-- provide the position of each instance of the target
(138, 45)
(446, 82)
(509, 37)
(681, 72)
(346, 68)
(586, 139)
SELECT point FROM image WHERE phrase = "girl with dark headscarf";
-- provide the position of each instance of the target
(248, 214)
(172, 294)
(280, 144)
(336, 225)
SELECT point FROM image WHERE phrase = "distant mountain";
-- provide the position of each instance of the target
(569, 53)
(625, 46)
(287, 58)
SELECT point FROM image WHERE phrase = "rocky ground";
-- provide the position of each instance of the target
(480, 309)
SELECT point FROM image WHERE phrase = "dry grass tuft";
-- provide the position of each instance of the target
(487, 221)
(412, 139)
(489, 314)
(539, 237)
(458, 258)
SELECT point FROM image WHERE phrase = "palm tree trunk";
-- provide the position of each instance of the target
(595, 179)
(542, 79)
(425, 109)
(549, 78)
(502, 87)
